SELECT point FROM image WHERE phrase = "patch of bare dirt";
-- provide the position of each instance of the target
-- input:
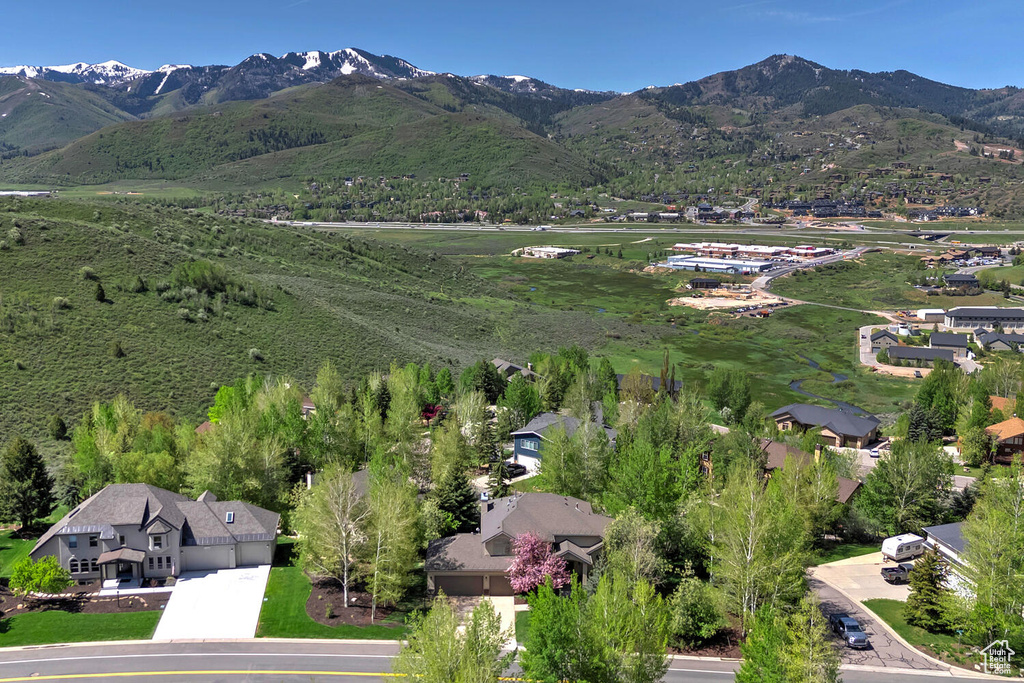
(326, 605)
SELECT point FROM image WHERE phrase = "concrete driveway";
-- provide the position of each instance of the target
(885, 650)
(861, 578)
(214, 604)
(504, 606)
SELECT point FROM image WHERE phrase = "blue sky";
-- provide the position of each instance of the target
(596, 44)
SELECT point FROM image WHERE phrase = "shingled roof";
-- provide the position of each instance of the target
(544, 514)
(835, 420)
(202, 522)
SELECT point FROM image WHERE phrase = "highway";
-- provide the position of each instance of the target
(290, 660)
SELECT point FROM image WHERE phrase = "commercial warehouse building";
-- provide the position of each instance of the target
(716, 265)
(970, 318)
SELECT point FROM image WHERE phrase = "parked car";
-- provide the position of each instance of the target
(515, 469)
(898, 574)
(847, 628)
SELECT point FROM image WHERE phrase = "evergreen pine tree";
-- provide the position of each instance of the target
(25, 487)
(454, 496)
(498, 483)
(924, 606)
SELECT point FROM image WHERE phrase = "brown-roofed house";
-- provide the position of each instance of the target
(1009, 437)
(135, 531)
(777, 453)
(476, 563)
(1006, 406)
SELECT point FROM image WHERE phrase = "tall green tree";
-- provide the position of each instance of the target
(389, 553)
(927, 599)
(642, 476)
(758, 545)
(520, 401)
(25, 487)
(809, 655)
(631, 548)
(763, 649)
(563, 643)
(331, 522)
(456, 498)
(905, 490)
(438, 651)
(993, 561)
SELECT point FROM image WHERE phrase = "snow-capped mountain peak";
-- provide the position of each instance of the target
(111, 72)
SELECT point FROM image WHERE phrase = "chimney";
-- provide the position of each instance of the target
(485, 505)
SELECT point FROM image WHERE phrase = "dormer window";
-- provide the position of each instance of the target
(157, 542)
(229, 517)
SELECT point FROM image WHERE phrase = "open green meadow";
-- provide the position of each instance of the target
(877, 281)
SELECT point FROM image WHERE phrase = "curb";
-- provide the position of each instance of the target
(953, 671)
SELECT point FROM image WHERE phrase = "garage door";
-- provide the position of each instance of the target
(460, 585)
(252, 554)
(501, 586)
(200, 558)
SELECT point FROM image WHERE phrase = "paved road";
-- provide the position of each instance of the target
(259, 661)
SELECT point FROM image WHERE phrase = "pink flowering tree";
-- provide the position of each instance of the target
(533, 563)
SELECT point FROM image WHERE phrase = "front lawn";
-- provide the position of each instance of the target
(843, 551)
(55, 626)
(284, 608)
(12, 551)
(891, 611)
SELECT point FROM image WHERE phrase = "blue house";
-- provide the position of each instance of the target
(528, 442)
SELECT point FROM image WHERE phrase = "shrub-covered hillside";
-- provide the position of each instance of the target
(98, 299)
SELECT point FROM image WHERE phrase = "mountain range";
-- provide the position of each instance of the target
(342, 113)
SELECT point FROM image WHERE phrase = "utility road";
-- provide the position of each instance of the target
(260, 661)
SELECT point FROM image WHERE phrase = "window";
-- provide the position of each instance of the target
(95, 564)
(151, 563)
(159, 562)
(158, 542)
(72, 541)
(229, 517)
(120, 540)
(167, 562)
(73, 566)
(94, 541)
(531, 444)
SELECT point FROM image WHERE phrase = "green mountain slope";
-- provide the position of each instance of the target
(281, 302)
(351, 126)
(39, 115)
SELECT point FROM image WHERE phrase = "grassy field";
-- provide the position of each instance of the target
(284, 607)
(878, 281)
(42, 628)
(767, 350)
(1013, 274)
(844, 551)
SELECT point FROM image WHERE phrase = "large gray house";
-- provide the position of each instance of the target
(476, 563)
(132, 531)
